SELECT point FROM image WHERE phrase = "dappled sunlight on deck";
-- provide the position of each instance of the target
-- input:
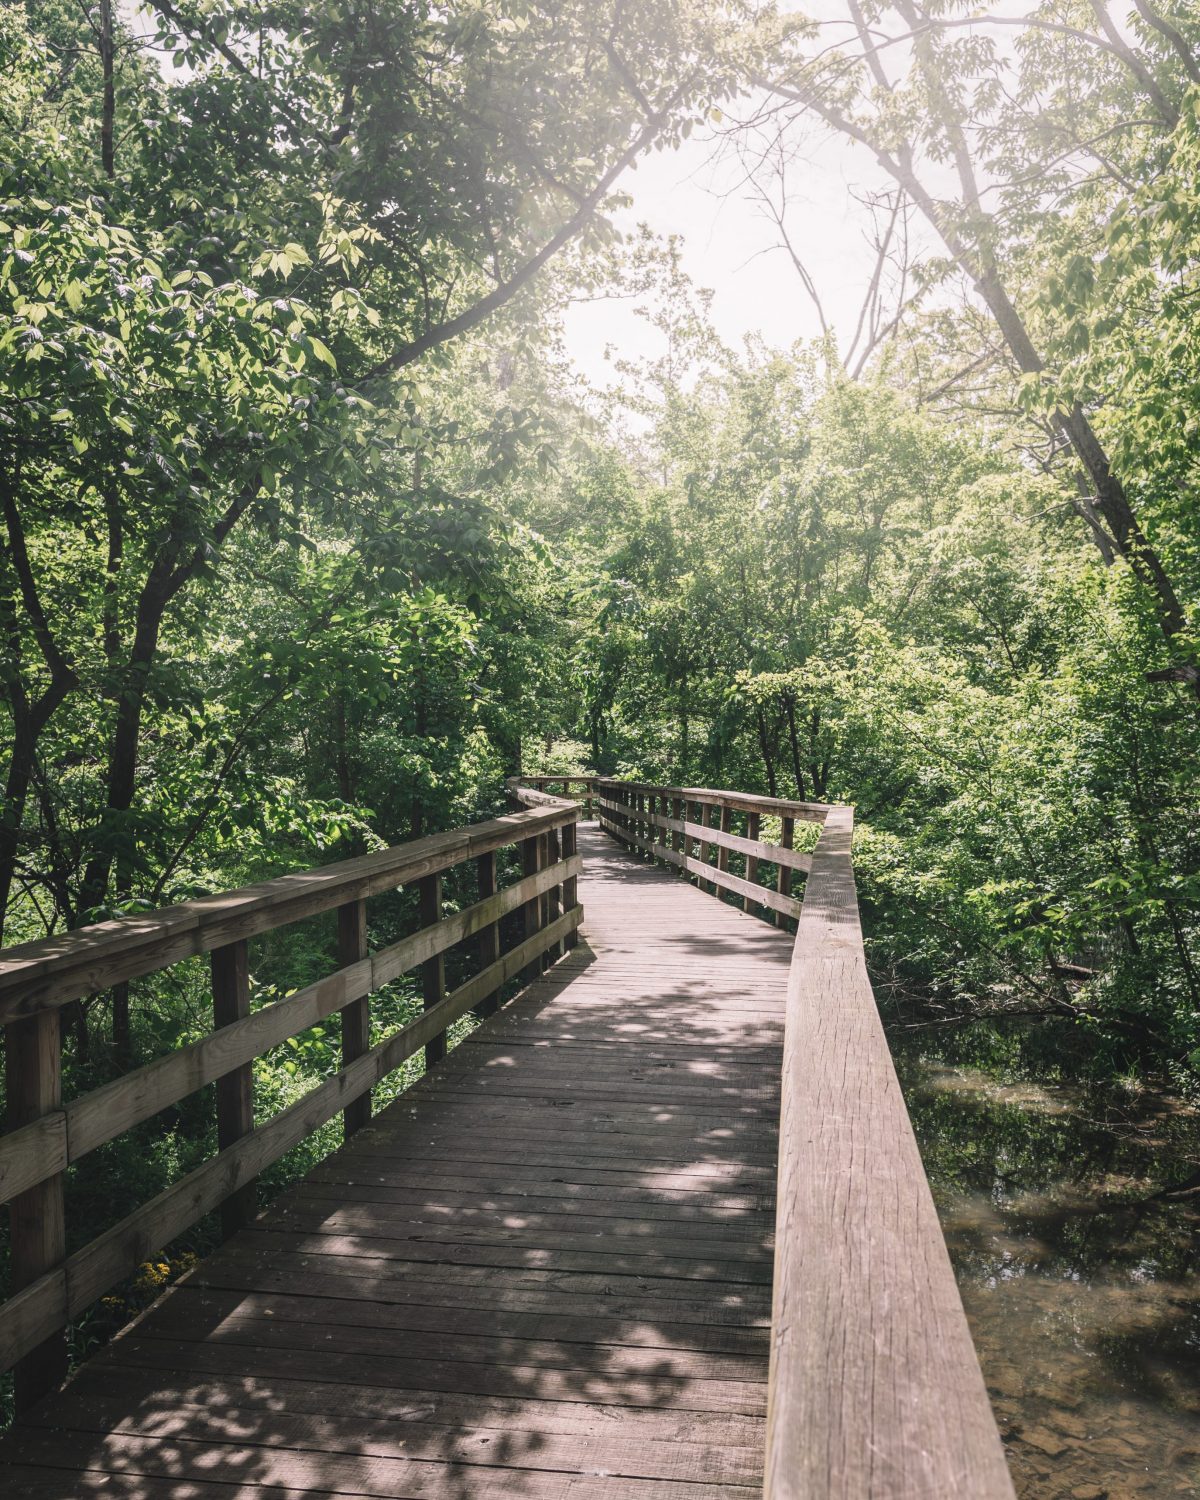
(543, 1271)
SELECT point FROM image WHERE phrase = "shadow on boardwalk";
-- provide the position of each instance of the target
(544, 1271)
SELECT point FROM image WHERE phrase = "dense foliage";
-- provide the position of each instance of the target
(310, 536)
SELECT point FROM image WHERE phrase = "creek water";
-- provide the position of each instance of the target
(1079, 1279)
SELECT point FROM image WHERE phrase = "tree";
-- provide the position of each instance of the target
(948, 116)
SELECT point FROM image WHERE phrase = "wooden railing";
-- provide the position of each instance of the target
(566, 786)
(659, 821)
(47, 1135)
(875, 1391)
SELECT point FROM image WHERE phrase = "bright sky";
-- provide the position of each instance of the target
(697, 193)
(731, 246)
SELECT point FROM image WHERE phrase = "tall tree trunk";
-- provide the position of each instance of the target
(108, 108)
(768, 759)
(121, 781)
(794, 741)
(971, 249)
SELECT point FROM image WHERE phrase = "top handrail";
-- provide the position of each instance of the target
(51, 972)
(874, 1387)
(46, 1134)
(812, 812)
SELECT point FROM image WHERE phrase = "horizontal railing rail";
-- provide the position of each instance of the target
(658, 821)
(46, 1135)
(579, 787)
(874, 1387)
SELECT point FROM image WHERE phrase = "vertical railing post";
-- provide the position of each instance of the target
(531, 912)
(784, 884)
(705, 848)
(570, 844)
(753, 824)
(679, 813)
(722, 851)
(38, 1227)
(433, 970)
(544, 898)
(489, 936)
(356, 1017)
(235, 1091)
(554, 896)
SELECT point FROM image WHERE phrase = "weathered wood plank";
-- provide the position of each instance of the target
(713, 876)
(813, 812)
(433, 970)
(780, 854)
(875, 1385)
(48, 973)
(235, 1089)
(355, 1016)
(104, 1113)
(546, 1269)
(489, 936)
(89, 1272)
(31, 1153)
(37, 1229)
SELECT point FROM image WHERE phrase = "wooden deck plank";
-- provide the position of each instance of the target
(613, 1450)
(545, 1271)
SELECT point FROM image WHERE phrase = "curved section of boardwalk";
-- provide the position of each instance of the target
(545, 1271)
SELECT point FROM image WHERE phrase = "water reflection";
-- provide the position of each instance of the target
(1077, 1268)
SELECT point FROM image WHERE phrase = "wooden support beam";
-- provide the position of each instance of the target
(33, 1074)
(489, 936)
(705, 855)
(570, 890)
(54, 971)
(723, 849)
(752, 827)
(235, 1091)
(786, 839)
(554, 896)
(356, 1017)
(433, 970)
(531, 915)
(874, 1387)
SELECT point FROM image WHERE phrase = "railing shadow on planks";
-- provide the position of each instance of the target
(874, 1386)
(45, 1136)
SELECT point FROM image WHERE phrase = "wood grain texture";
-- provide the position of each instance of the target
(355, 1018)
(814, 812)
(235, 1090)
(34, 1313)
(544, 1271)
(31, 1153)
(104, 1113)
(711, 877)
(49, 973)
(37, 1228)
(875, 1385)
(547, 1269)
(754, 848)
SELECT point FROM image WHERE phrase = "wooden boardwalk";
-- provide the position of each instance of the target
(545, 1271)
